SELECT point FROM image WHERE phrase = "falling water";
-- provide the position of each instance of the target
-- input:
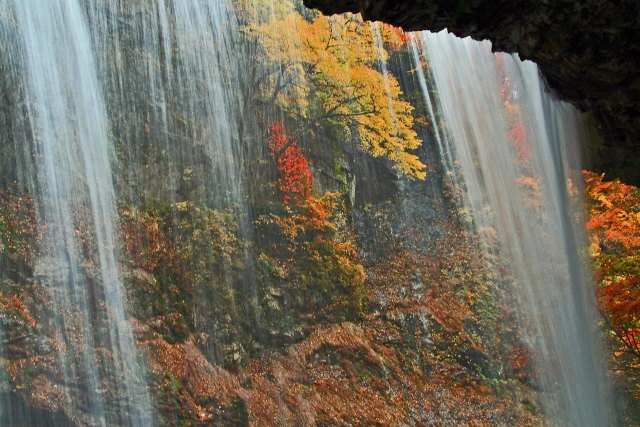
(514, 148)
(143, 103)
(146, 89)
(173, 85)
(52, 58)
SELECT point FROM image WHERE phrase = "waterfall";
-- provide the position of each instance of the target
(88, 85)
(515, 150)
(172, 81)
(52, 58)
(171, 280)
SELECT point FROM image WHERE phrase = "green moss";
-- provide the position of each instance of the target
(4, 375)
(28, 374)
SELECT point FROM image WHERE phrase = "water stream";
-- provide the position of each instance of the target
(516, 151)
(51, 56)
(142, 103)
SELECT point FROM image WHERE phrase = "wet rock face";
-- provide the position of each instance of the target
(587, 50)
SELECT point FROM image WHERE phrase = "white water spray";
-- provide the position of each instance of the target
(515, 149)
(53, 57)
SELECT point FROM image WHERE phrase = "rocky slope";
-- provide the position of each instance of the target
(434, 344)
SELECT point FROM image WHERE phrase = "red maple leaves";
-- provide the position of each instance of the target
(296, 181)
(614, 224)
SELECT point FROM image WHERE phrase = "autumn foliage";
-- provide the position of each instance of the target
(143, 238)
(296, 180)
(14, 306)
(305, 242)
(295, 185)
(18, 228)
(399, 33)
(614, 224)
(327, 75)
(517, 133)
